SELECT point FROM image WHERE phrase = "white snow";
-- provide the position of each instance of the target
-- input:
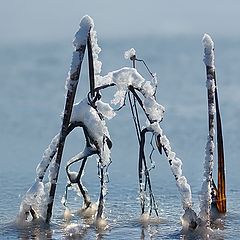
(205, 197)
(105, 109)
(130, 53)
(153, 109)
(155, 127)
(53, 170)
(96, 127)
(148, 89)
(81, 35)
(125, 77)
(95, 51)
(34, 198)
(208, 45)
(176, 167)
(46, 158)
(80, 40)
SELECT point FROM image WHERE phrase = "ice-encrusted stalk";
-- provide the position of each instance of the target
(79, 43)
(220, 195)
(205, 198)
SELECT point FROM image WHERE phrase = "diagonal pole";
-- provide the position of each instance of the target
(63, 133)
(72, 82)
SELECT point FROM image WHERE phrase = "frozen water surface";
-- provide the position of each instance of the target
(32, 97)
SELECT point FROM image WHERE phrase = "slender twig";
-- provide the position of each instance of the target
(91, 66)
(144, 63)
(136, 121)
(101, 197)
(142, 160)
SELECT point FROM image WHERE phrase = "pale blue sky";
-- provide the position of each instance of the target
(22, 20)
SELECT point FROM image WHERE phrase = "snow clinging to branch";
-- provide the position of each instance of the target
(130, 53)
(208, 45)
(82, 34)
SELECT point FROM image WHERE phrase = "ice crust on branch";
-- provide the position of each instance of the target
(130, 53)
(47, 157)
(79, 43)
(96, 127)
(35, 199)
(176, 167)
(205, 196)
(126, 77)
(81, 35)
(208, 45)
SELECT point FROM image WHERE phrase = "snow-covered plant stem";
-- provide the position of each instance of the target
(205, 203)
(71, 85)
(219, 193)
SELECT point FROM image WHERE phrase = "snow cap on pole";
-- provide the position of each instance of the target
(208, 45)
(82, 34)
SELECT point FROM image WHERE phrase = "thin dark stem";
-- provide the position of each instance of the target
(136, 122)
(144, 63)
(81, 188)
(90, 66)
(101, 203)
(142, 160)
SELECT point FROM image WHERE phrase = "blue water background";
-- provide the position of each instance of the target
(32, 93)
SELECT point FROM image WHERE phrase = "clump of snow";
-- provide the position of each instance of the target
(47, 157)
(35, 199)
(126, 77)
(176, 167)
(208, 45)
(148, 89)
(153, 109)
(155, 127)
(95, 126)
(185, 191)
(95, 51)
(189, 219)
(79, 43)
(205, 197)
(81, 35)
(130, 53)
(53, 171)
(105, 109)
